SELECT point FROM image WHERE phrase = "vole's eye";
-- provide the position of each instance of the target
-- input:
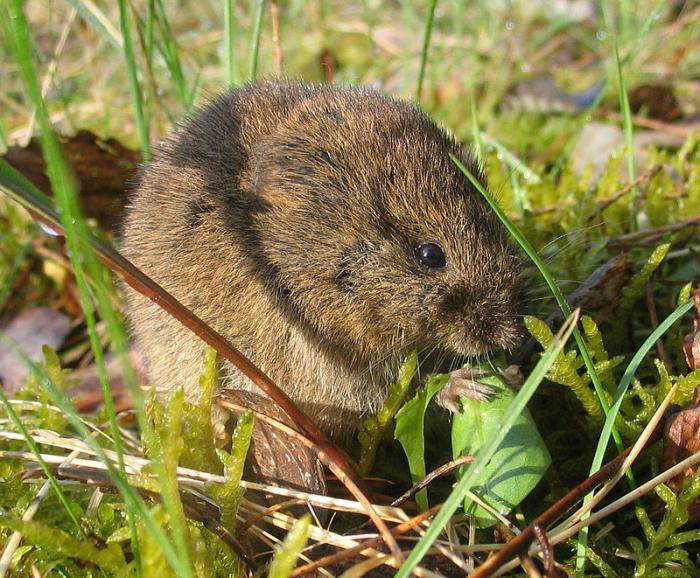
(430, 254)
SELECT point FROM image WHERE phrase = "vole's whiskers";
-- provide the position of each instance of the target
(574, 238)
(423, 356)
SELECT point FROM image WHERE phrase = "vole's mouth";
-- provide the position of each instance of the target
(489, 339)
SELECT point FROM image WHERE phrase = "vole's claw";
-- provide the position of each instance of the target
(512, 375)
(463, 383)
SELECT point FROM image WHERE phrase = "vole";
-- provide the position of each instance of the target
(325, 232)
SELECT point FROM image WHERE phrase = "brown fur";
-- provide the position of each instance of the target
(285, 216)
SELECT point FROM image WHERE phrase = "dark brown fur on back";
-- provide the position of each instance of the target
(287, 215)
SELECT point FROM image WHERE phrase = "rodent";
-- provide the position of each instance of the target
(325, 232)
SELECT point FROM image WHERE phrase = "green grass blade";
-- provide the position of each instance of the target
(20, 189)
(622, 387)
(427, 33)
(64, 188)
(7, 282)
(511, 160)
(95, 17)
(82, 259)
(63, 185)
(171, 55)
(3, 139)
(133, 500)
(131, 69)
(456, 497)
(585, 119)
(150, 31)
(624, 104)
(25, 193)
(369, 23)
(627, 379)
(254, 50)
(476, 131)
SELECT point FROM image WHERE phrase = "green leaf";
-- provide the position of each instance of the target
(519, 462)
(410, 427)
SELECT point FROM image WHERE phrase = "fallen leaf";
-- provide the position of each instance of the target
(29, 331)
(691, 343)
(103, 169)
(681, 440)
(657, 100)
(274, 456)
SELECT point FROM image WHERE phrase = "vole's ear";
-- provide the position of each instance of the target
(287, 169)
(272, 172)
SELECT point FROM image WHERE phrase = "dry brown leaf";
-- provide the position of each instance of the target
(274, 456)
(103, 169)
(681, 440)
(657, 100)
(691, 343)
(29, 331)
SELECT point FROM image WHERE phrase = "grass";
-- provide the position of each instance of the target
(129, 69)
(134, 88)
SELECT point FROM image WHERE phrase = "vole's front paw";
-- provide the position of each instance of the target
(463, 383)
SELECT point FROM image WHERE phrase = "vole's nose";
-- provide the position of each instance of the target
(491, 326)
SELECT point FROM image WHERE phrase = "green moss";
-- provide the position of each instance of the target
(229, 494)
(199, 450)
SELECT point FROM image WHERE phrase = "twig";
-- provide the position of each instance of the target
(194, 508)
(436, 473)
(186, 476)
(611, 473)
(546, 549)
(371, 543)
(522, 541)
(278, 507)
(648, 175)
(526, 561)
(680, 131)
(654, 233)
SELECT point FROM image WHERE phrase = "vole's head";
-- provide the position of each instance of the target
(375, 238)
